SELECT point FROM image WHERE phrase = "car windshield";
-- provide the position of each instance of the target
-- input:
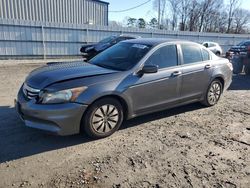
(108, 39)
(243, 43)
(122, 56)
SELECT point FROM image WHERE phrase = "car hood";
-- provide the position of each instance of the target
(57, 72)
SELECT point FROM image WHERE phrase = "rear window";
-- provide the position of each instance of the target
(108, 39)
(191, 53)
(212, 45)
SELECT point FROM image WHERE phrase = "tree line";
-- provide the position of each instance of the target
(197, 15)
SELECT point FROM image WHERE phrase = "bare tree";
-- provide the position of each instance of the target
(242, 17)
(115, 24)
(174, 6)
(233, 5)
(216, 21)
(211, 15)
(202, 15)
(194, 14)
(183, 13)
(160, 7)
(207, 7)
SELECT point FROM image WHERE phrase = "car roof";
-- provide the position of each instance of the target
(122, 35)
(156, 41)
(210, 42)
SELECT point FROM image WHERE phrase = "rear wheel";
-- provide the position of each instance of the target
(213, 93)
(103, 118)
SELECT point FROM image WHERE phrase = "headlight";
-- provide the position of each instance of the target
(63, 96)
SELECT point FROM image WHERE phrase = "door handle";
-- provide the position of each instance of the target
(176, 73)
(208, 66)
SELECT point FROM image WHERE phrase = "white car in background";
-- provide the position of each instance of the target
(214, 47)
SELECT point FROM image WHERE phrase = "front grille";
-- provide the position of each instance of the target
(30, 92)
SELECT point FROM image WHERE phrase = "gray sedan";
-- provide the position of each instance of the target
(130, 79)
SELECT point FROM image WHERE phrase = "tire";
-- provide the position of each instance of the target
(213, 93)
(102, 118)
(247, 69)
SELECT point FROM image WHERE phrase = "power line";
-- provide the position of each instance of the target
(125, 10)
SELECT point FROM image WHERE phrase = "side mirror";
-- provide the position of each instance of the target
(148, 69)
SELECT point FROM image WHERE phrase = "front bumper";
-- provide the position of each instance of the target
(60, 119)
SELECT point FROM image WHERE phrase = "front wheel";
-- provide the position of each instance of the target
(213, 94)
(103, 118)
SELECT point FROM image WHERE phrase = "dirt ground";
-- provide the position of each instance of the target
(190, 146)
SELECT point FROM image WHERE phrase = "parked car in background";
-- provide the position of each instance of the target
(243, 48)
(214, 47)
(90, 50)
(129, 79)
(240, 57)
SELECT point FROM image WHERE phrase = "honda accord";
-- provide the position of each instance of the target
(131, 78)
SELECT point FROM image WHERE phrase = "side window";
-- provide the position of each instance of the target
(164, 57)
(191, 53)
(205, 44)
(205, 55)
(212, 45)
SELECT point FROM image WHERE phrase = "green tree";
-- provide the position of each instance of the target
(153, 23)
(141, 23)
(131, 22)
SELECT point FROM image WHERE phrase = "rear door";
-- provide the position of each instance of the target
(196, 71)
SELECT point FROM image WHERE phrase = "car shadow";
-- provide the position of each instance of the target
(240, 82)
(18, 141)
(161, 114)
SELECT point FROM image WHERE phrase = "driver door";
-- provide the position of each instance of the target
(156, 91)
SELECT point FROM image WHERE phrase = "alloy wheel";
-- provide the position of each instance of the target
(105, 119)
(214, 93)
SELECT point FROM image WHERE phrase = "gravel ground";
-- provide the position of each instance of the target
(189, 146)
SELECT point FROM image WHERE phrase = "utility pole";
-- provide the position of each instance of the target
(159, 14)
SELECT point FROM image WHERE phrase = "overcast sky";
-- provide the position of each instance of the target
(146, 11)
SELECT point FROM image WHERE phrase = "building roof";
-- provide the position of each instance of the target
(101, 1)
